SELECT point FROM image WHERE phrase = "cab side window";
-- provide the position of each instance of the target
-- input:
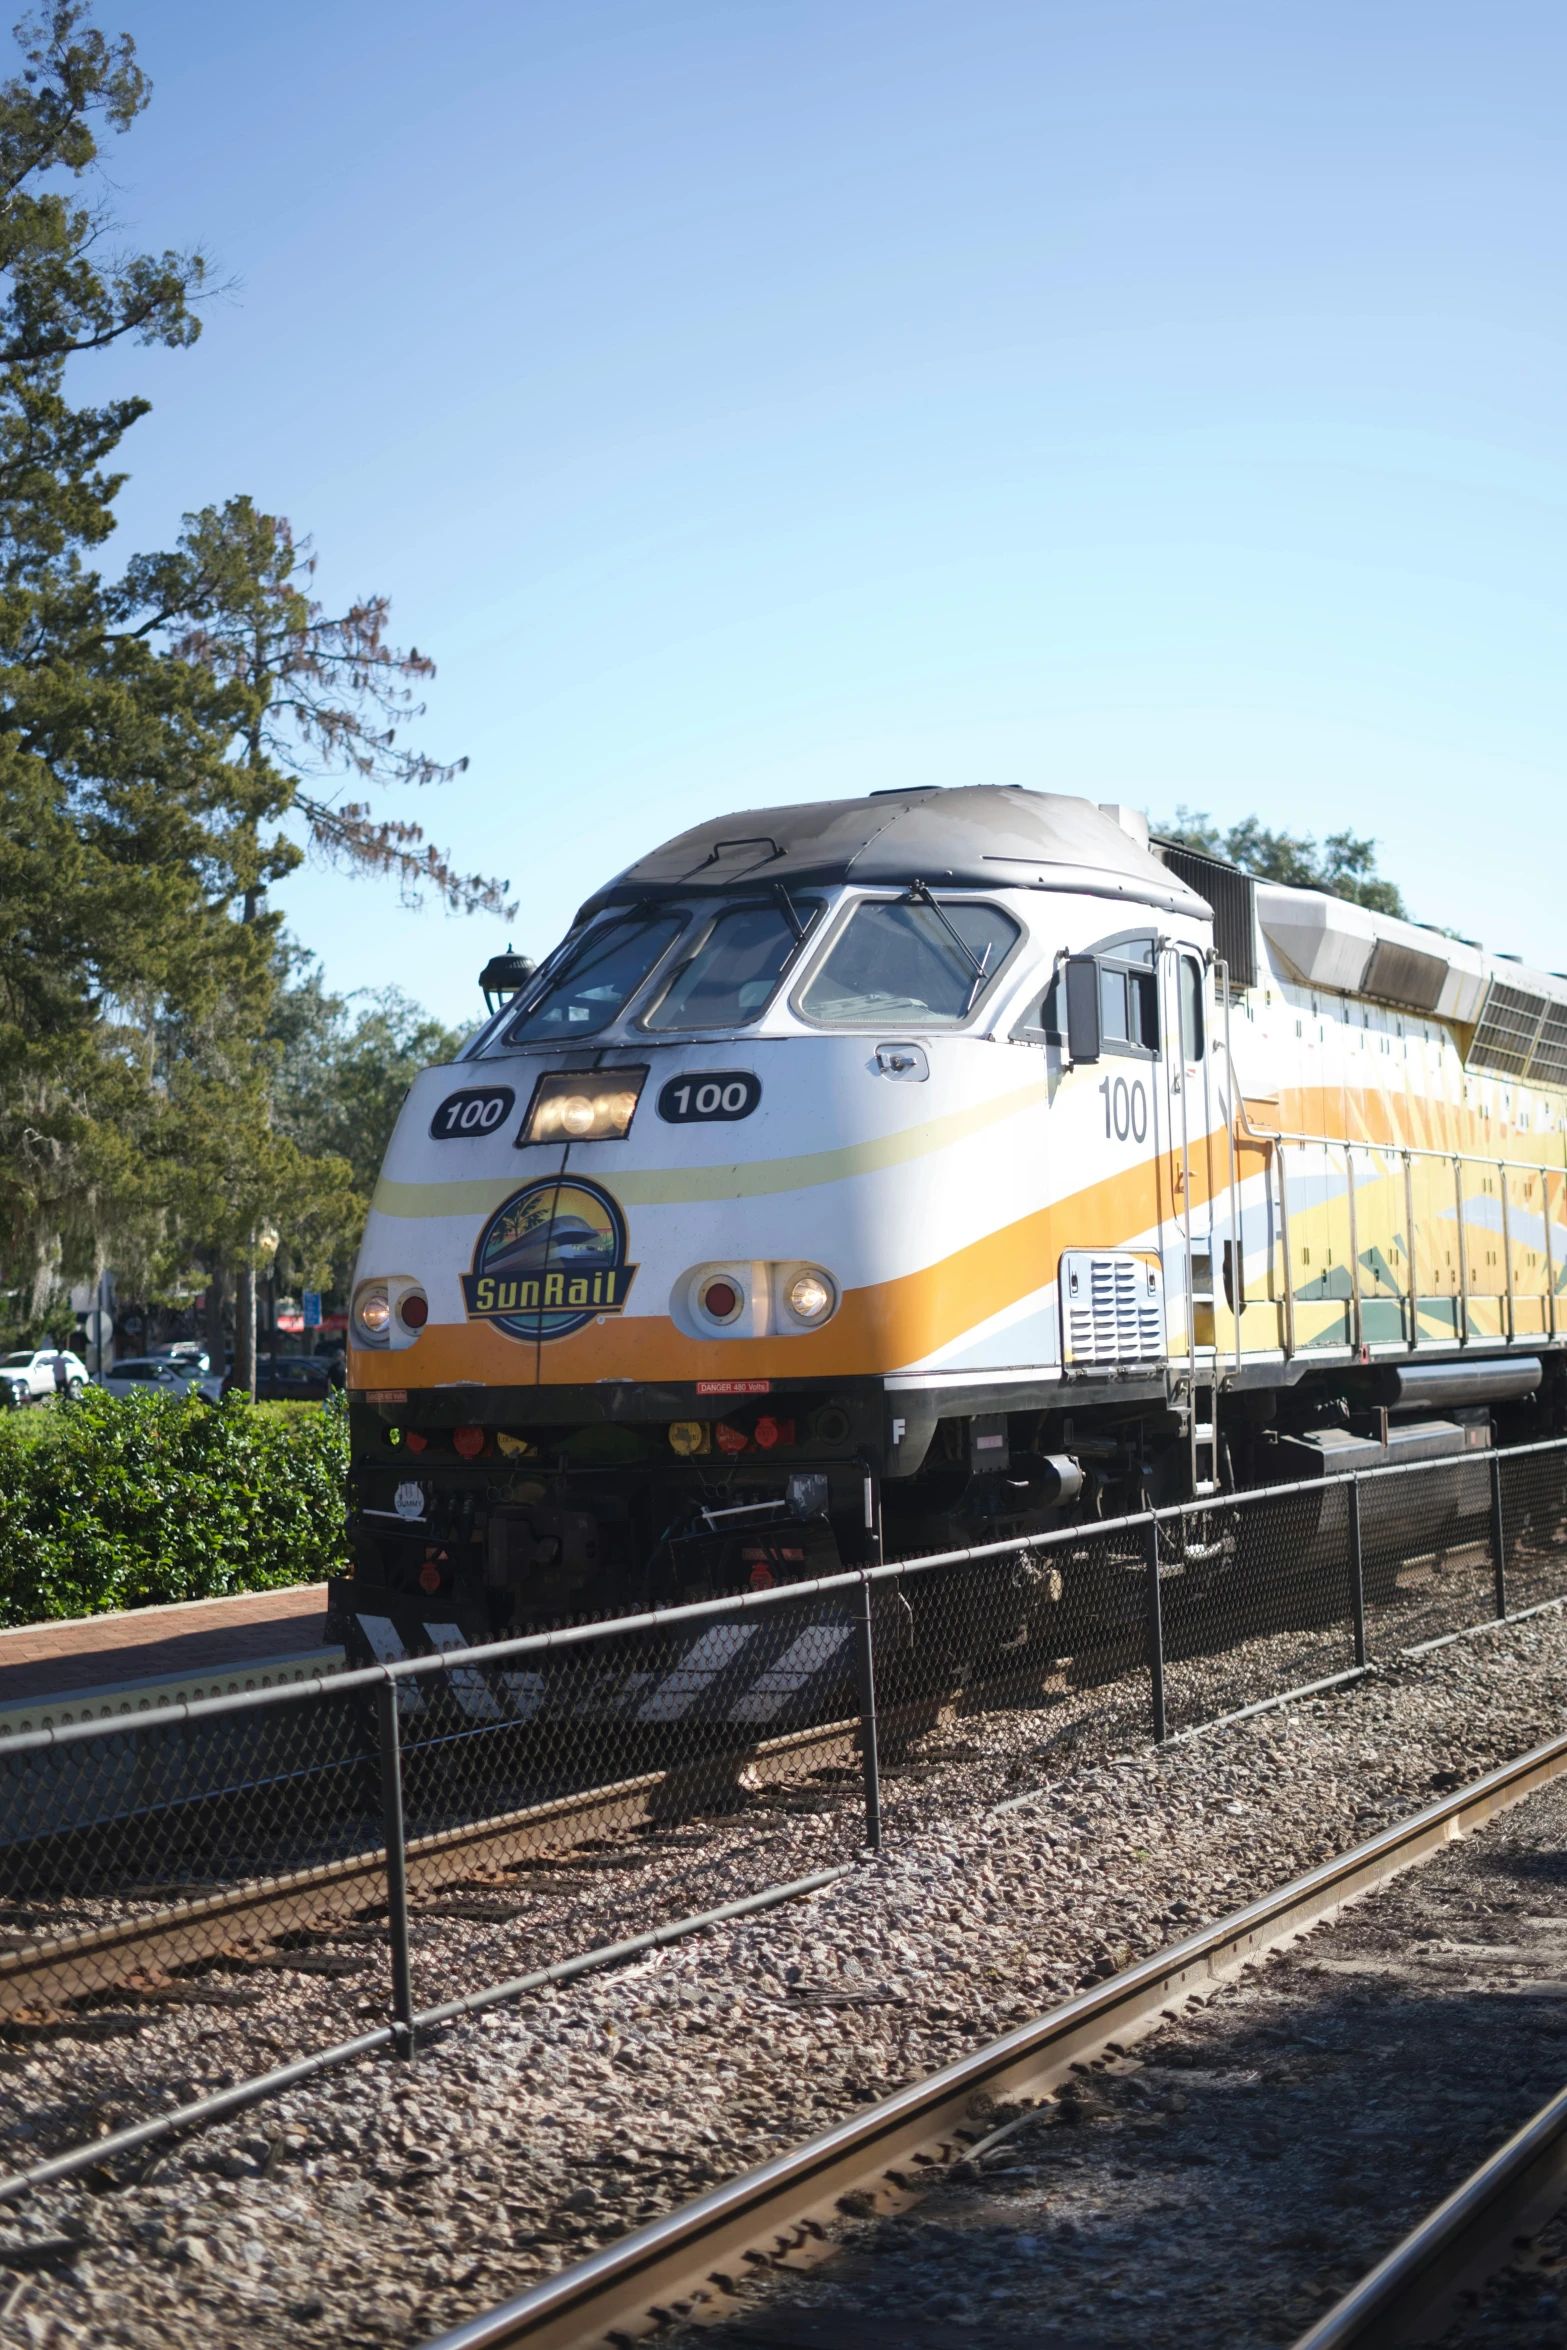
(1128, 996)
(1193, 1028)
(1128, 1007)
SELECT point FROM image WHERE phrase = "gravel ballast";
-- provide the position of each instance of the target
(387, 2202)
(1233, 2173)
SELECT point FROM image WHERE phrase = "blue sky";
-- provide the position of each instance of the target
(752, 402)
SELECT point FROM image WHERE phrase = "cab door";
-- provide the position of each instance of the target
(1109, 1229)
(1190, 1172)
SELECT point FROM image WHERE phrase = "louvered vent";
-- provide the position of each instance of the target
(1510, 1026)
(1233, 897)
(1112, 1308)
(1402, 975)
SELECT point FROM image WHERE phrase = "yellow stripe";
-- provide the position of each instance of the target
(675, 1186)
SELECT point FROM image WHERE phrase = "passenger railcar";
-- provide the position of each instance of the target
(963, 1148)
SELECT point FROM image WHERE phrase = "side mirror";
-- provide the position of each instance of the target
(1082, 1008)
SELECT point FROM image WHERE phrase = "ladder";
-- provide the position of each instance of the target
(1202, 1377)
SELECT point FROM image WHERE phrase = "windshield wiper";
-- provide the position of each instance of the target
(790, 913)
(919, 895)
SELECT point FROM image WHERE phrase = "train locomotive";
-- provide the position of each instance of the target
(920, 1170)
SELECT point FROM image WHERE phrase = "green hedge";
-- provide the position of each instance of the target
(114, 1502)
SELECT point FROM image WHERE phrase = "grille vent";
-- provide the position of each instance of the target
(1233, 897)
(1112, 1308)
(1521, 1035)
(1548, 1061)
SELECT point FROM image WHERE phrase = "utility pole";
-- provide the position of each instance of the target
(245, 1332)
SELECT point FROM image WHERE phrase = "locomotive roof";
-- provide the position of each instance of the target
(973, 836)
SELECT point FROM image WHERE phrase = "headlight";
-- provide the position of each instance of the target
(583, 1105)
(811, 1297)
(373, 1313)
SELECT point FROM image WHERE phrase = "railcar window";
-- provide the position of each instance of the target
(592, 983)
(738, 963)
(896, 959)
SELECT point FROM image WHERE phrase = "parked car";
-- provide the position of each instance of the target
(290, 1378)
(154, 1375)
(186, 1352)
(29, 1377)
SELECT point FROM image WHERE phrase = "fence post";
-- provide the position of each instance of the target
(1357, 1571)
(396, 1868)
(868, 1735)
(1155, 1630)
(865, 1643)
(1498, 1537)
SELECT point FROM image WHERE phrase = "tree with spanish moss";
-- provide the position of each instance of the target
(325, 694)
(171, 745)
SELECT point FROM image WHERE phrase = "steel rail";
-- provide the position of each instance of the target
(227, 2102)
(183, 1933)
(692, 2256)
(1467, 2236)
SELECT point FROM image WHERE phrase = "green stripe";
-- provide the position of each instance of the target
(678, 1186)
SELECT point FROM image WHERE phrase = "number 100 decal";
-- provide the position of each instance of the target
(1126, 1109)
(716, 1094)
(479, 1110)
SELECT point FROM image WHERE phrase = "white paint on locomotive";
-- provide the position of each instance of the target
(971, 1102)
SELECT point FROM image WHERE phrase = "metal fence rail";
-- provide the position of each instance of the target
(694, 1763)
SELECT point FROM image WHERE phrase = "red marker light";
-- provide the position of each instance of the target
(470, 1443)
(414, 1310)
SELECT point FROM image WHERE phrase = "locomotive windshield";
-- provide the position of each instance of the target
(596, 978)
(911, 959)
(739, 959)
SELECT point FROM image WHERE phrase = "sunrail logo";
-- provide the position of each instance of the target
(551, 1259)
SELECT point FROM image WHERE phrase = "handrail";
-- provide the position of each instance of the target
(1409, 1152)
(1463, 1252)
(1170, 965)
(1237, 1253)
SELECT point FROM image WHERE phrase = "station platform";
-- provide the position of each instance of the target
(91, 1667)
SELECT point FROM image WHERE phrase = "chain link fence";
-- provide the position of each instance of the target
(430, 1835)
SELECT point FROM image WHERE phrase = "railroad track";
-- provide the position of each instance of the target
(688, 2263)
(61, 1964)
(1464, 2241)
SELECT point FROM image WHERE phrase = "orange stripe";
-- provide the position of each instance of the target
(886, 1325)
(876, 1329)
(1409, 1121)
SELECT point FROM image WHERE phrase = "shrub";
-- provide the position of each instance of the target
(114, 1502)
